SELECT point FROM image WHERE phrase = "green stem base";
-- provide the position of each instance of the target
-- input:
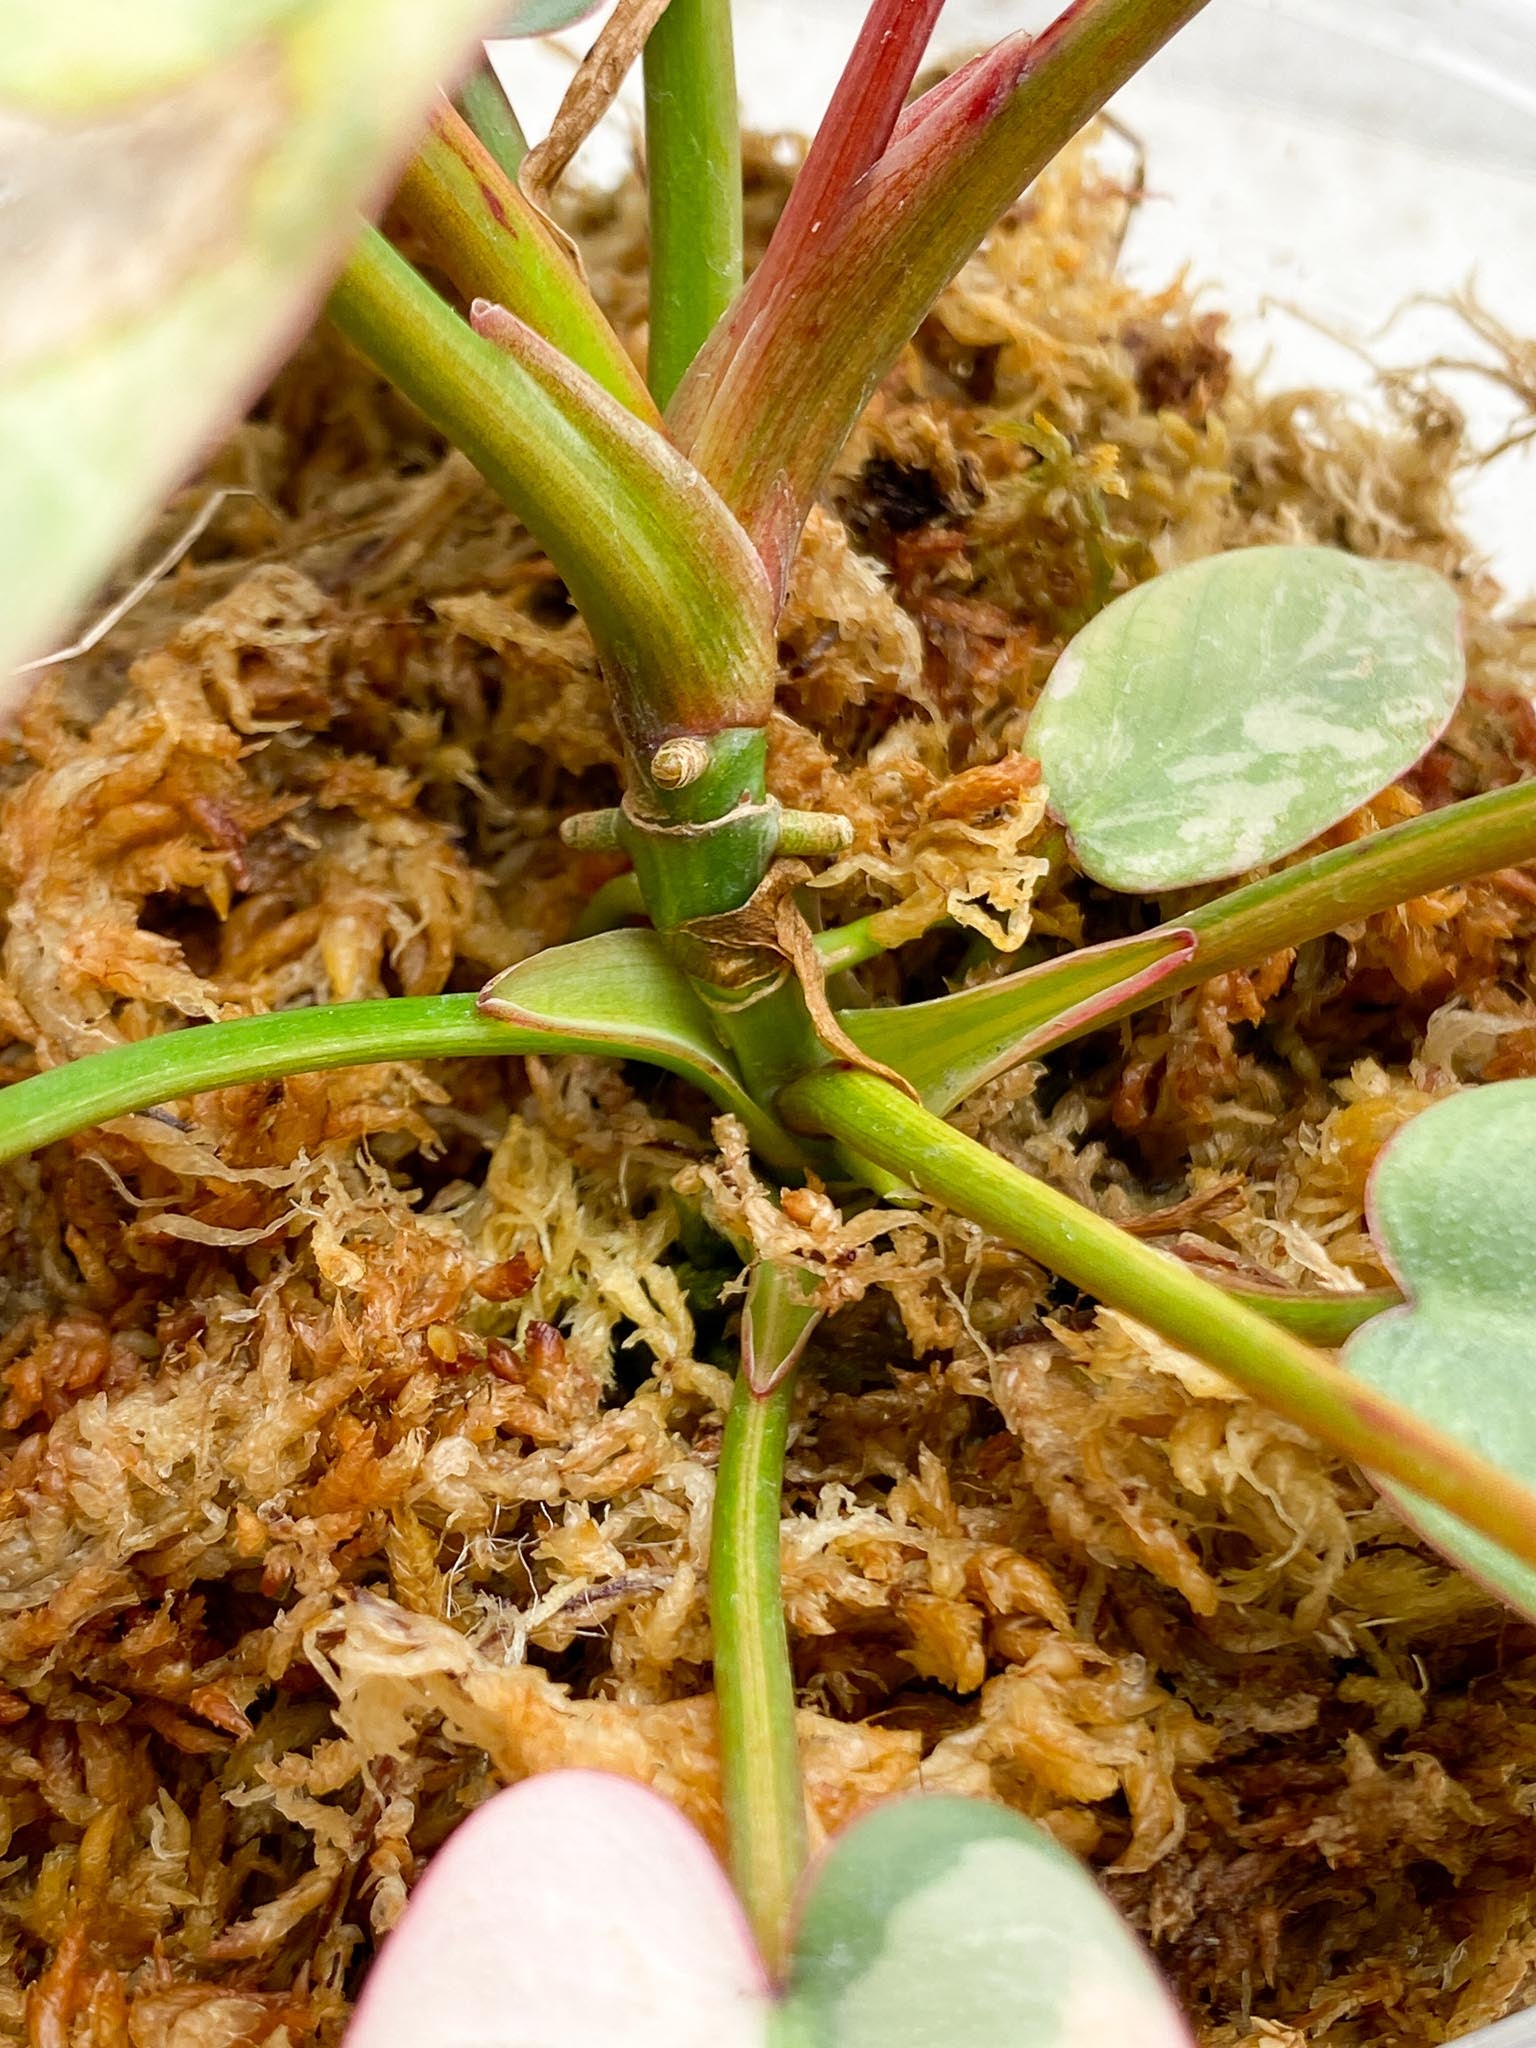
(754, 1685)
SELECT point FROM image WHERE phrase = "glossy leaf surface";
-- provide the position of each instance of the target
(1453, 1209)
(1223, 714)
(619, 993)
(951, 1923)
(176, 176)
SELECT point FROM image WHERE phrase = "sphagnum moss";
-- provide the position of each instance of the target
(318, 1412)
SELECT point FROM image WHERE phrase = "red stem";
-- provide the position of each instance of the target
(969, 97)
(861, 118)
(779, 385)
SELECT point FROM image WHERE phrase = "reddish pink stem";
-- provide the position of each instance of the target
(950, 113)
(860, 120)
(863, 113)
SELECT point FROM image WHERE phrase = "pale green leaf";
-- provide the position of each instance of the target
(952, 1045)
(539, 17)
(951, 1923)
(619, 993)
(1453, 1210)
(1227, 712)
(176, 179)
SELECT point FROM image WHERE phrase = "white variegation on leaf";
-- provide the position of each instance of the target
(1225, 713)
(579, 1908)
(951, 1923)
(1452, 1206)
(177, 177)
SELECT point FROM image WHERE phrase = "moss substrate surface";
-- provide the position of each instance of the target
(359, 1431)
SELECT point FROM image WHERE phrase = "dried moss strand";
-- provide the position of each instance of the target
(754, 1684)
(693, 170)
(1268, 1363)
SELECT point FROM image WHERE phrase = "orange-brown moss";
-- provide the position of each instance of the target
(358, 1432)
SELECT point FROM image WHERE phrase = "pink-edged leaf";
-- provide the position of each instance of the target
(574, 1910)
(778, 387)
(951, 1046)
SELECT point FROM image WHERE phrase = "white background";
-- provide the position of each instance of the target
(1341, 156)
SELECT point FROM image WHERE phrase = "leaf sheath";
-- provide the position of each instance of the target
(670, 590)
(775, 393)
(495, 244)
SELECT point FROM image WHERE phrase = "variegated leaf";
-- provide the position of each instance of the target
(950, 1923)
(579, 1908)
(176, 177)
(574, 1909)
(1226, 712)
(1453, 1209)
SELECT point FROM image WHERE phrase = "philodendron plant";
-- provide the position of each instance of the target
(180, 174)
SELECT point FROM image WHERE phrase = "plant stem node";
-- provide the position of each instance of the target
(677, 763)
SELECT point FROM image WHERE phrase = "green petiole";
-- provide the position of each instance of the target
(178, 1064)
(693, 169)
(754, 1685)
